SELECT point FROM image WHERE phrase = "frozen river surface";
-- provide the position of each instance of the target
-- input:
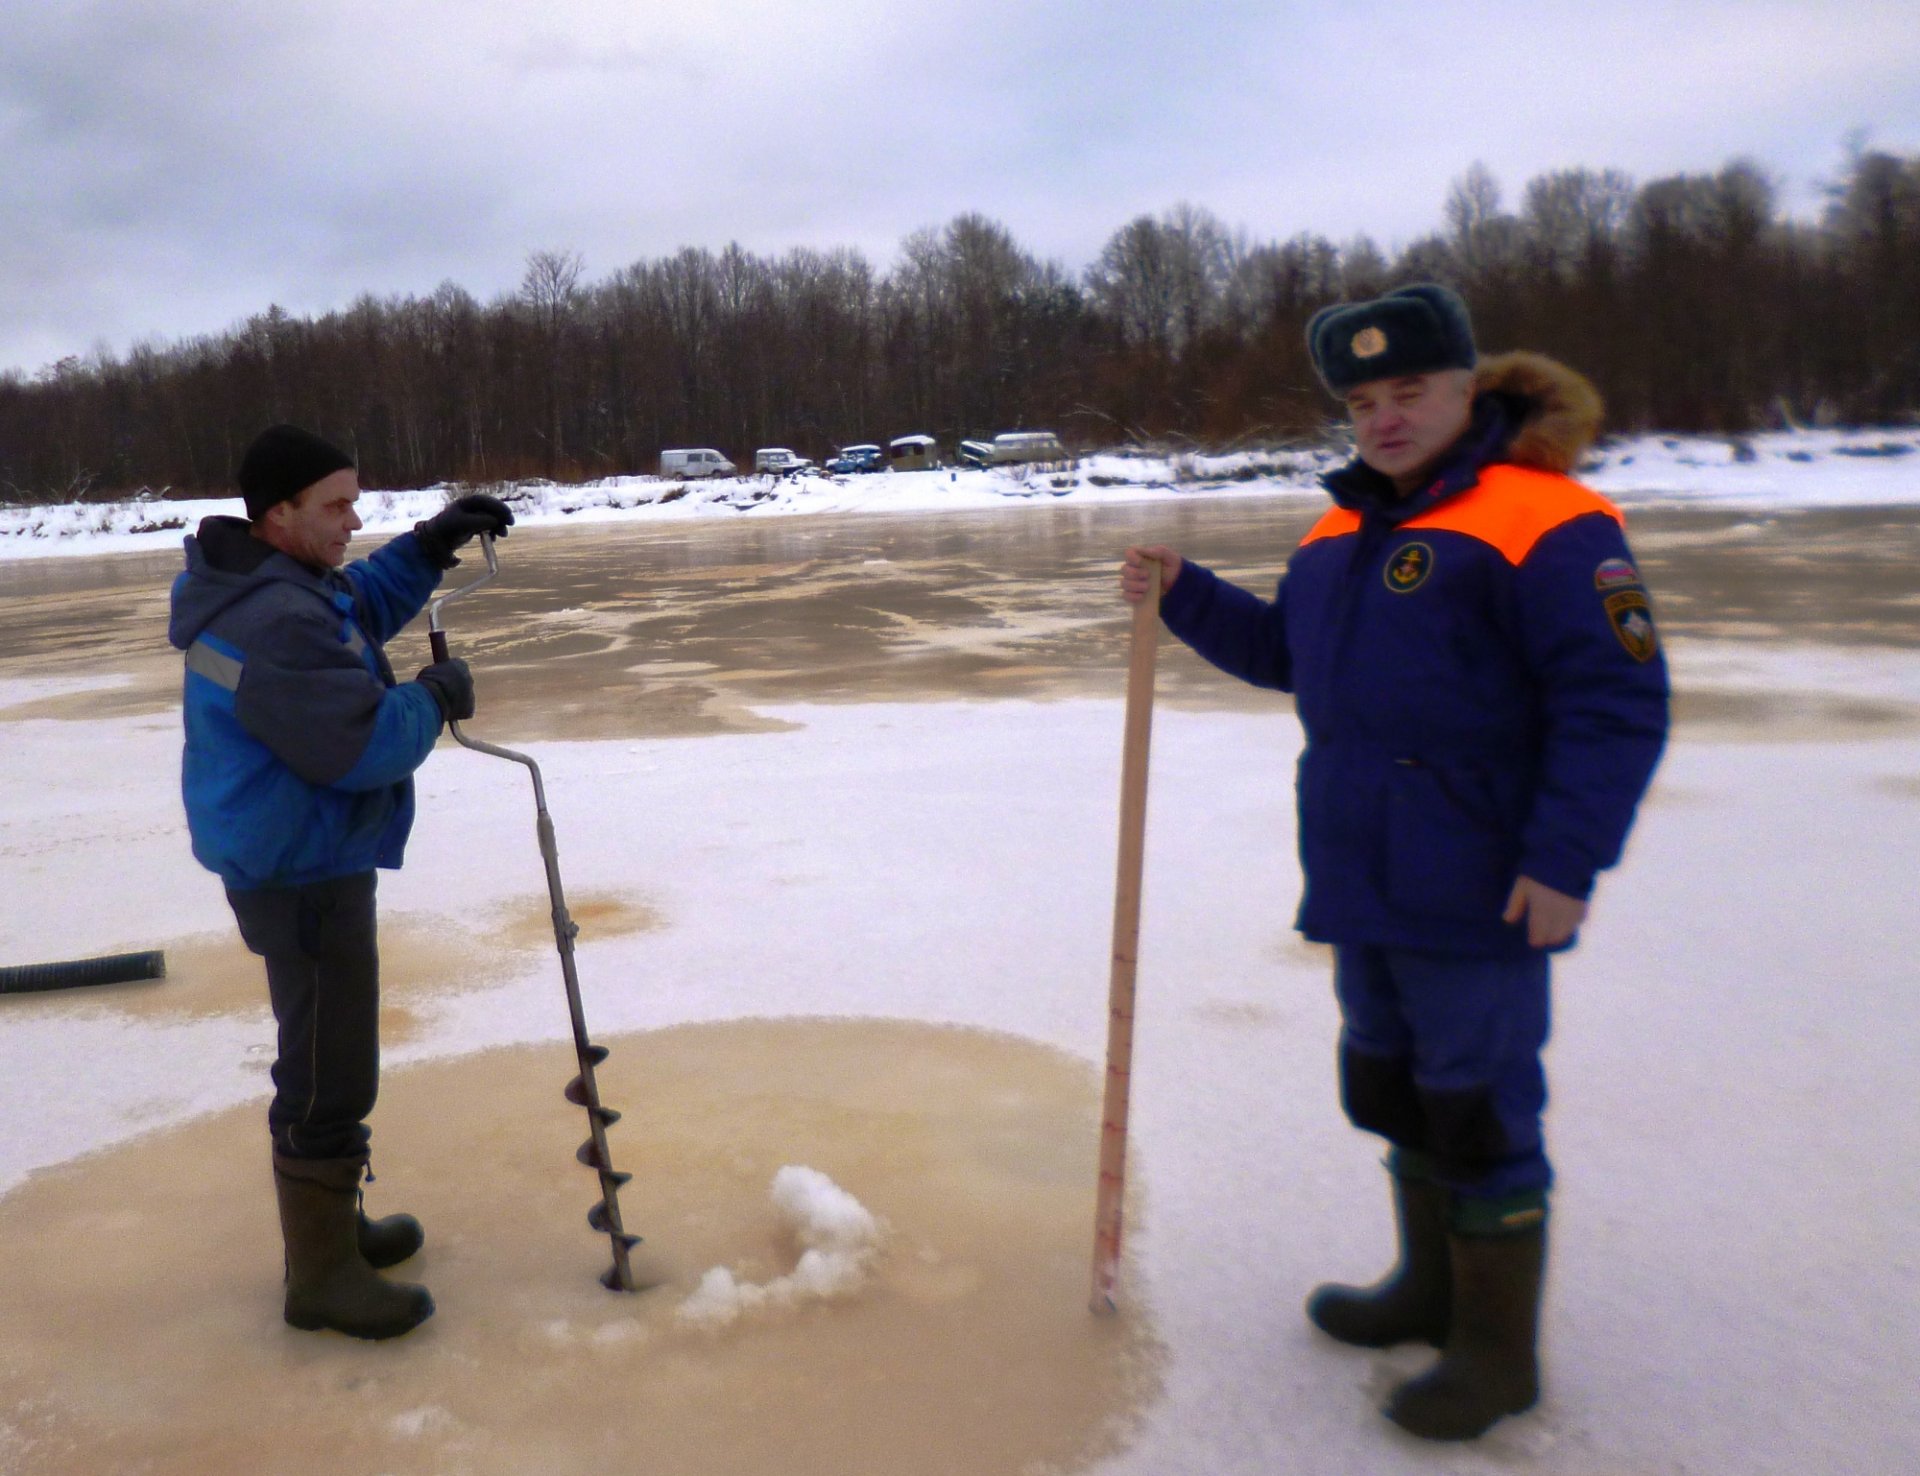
(836, 807)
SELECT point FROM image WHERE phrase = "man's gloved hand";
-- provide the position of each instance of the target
(459, 521)
(451, 686)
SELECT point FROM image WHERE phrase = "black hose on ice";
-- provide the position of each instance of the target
(118, 968)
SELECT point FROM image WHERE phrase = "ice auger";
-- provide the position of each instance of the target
(582, 1091)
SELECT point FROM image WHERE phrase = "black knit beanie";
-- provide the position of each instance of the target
(283, 462)
(1412, 330)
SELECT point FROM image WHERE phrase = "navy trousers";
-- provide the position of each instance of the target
(323, 975)
(1440, 1055)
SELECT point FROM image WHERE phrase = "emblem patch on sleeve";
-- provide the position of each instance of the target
(1408, 569)
(1616, 574)
(1632, 620)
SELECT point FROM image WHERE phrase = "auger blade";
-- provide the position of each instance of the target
(598, 1219)
(589, 1154)
(619, 1276)
(577, 1091)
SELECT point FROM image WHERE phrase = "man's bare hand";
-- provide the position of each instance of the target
(1133, 573)
(1551, 917)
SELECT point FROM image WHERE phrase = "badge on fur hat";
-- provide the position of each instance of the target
(1368, 343)
(1632, 620)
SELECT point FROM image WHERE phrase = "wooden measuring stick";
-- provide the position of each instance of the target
(1126, 945)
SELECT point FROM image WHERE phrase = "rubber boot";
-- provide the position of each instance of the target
(1412, 1302)
(329, 1285)
(1489, 1368)
(388, 1240)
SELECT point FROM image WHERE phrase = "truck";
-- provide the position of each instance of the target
(913, 453)
(778, 461)
(865, 457)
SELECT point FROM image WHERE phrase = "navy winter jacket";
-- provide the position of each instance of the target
(299, 746)
(1477, 673)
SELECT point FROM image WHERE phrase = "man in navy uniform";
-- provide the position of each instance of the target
(1473, 659)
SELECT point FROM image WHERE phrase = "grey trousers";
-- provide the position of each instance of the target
(323, 976)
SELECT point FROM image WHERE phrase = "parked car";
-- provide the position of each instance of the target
(862, 458)
(1019, 446)
(913, 453)
(702, 461)
(976, 453)
(779, 461)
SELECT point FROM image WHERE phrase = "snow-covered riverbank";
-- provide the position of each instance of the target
(1828, 468)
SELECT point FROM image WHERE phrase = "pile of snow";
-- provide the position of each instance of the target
(839, 1238)
(1815, 468)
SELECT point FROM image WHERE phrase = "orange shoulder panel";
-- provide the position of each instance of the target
(1514, 507)
(1334, 522)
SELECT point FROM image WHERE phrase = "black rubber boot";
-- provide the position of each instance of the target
(329, 1284)
(1489, 1368)
(1412, 1303)
(388, 1240)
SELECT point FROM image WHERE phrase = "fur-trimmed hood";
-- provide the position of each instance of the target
(1557, 409)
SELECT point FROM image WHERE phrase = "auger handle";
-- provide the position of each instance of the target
(436, 634)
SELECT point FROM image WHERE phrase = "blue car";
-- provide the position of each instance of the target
(857, 459)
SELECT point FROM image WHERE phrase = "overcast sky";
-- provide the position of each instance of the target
(168, 167)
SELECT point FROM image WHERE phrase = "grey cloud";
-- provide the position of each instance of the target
(171, 167)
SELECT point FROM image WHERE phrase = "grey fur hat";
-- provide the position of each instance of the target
(1412, 330)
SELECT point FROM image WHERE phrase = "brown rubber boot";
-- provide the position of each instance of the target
(1412, 1302)
(1489, 1368)
(329, 1285)
(388, 1240)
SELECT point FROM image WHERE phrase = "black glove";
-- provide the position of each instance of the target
(451, 686)
(459, 521)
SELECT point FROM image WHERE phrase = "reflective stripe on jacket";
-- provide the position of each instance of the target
(299, 744)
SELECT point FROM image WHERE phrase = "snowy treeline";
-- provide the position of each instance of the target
(1692, 300)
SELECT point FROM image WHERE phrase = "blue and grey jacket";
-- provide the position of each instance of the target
(300, 746)
(1476, 670)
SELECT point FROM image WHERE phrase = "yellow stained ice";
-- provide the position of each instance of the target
(141, 1287)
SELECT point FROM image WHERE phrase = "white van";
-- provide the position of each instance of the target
(1019, 446)
(703, 461)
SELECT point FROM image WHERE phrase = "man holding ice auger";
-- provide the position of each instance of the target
(1474, 662)
(300, 747)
